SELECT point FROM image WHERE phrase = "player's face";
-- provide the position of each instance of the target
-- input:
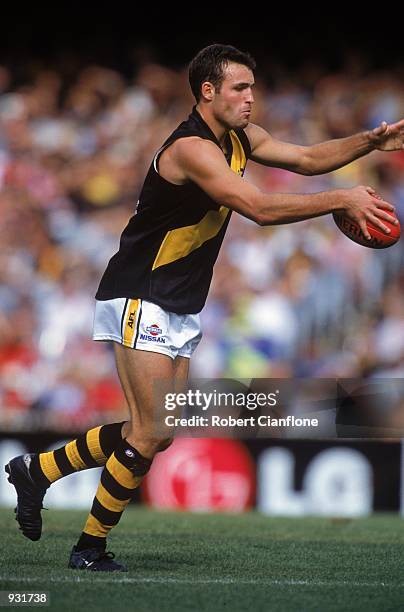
(232, 105)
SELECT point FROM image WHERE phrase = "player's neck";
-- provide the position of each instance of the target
(217, 128)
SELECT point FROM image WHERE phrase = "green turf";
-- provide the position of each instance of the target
(181, 561)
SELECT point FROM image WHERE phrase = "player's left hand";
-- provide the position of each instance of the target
(388, 136)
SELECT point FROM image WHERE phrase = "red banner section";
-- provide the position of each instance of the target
(202, 474)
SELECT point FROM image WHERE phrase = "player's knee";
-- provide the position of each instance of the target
(147, 443)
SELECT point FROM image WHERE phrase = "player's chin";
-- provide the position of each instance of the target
(243, 122)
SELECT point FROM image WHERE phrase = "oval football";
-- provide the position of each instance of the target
(379, 239)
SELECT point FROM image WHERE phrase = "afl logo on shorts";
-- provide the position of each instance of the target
(154, 330)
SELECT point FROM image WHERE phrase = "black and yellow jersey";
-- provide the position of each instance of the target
(169, 247)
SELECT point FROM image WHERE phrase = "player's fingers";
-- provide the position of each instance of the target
(381, 129)
(377, 223)
(382, 204)
(364, 229)
(382, 214)
(399, 124)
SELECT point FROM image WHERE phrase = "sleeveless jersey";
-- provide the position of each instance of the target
(169, 247)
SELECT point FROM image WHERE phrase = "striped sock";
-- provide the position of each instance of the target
(121, 475)
(89, 450)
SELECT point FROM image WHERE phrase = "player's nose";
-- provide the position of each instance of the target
(250, 97)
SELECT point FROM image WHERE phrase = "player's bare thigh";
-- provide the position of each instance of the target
(138, 372)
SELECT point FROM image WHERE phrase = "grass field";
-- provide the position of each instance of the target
(181, 561)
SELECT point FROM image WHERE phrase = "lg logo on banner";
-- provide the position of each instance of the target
(336, 482)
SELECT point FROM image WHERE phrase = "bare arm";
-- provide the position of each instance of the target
(203, 163)
(325, 156)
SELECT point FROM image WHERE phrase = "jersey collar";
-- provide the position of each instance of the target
(198, 117)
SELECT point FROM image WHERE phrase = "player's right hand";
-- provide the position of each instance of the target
(364, 204)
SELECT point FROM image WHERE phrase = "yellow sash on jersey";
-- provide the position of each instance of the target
(181, 242)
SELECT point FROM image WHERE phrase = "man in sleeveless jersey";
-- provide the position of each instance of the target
(154, 287)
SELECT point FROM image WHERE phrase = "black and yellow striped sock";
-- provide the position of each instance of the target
(89, 450)
(121, 475)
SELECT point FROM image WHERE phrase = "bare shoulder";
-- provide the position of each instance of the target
(175, 160)
(256, 135)
(196, 156)
(189, 149)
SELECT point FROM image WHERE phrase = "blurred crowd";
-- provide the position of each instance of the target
(287, 301)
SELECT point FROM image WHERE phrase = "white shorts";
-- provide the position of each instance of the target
(145, 326)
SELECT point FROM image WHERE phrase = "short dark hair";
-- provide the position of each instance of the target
(209, 65)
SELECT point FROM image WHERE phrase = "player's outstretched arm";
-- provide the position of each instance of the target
(202, 162)
(325, 156)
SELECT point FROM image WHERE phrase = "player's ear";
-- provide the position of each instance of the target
(208, 90)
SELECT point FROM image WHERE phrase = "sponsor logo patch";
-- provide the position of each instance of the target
(154, 330)
(153, 335)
